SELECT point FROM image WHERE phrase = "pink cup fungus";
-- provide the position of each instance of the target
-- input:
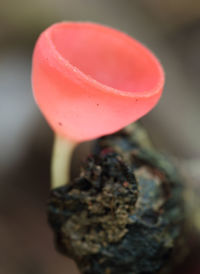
(91, 80)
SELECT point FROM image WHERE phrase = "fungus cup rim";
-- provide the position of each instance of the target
(87, 79)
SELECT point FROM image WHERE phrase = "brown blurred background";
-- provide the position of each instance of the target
(170, 28)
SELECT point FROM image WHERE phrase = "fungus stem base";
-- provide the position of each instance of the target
(61, 161)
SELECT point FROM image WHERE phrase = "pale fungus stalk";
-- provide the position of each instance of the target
(61, 161)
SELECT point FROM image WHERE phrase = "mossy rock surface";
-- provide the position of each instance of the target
(124, 213)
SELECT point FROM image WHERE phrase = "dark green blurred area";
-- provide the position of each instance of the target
(170, 28)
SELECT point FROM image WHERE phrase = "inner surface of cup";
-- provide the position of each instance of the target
(110, 57)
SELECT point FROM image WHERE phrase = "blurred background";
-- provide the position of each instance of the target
(170, 28)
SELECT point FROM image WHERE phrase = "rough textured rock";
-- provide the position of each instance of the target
(124, 213)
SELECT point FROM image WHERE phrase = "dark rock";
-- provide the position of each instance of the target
(124, 213)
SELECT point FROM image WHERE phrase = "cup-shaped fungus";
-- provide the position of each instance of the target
(91, 80)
